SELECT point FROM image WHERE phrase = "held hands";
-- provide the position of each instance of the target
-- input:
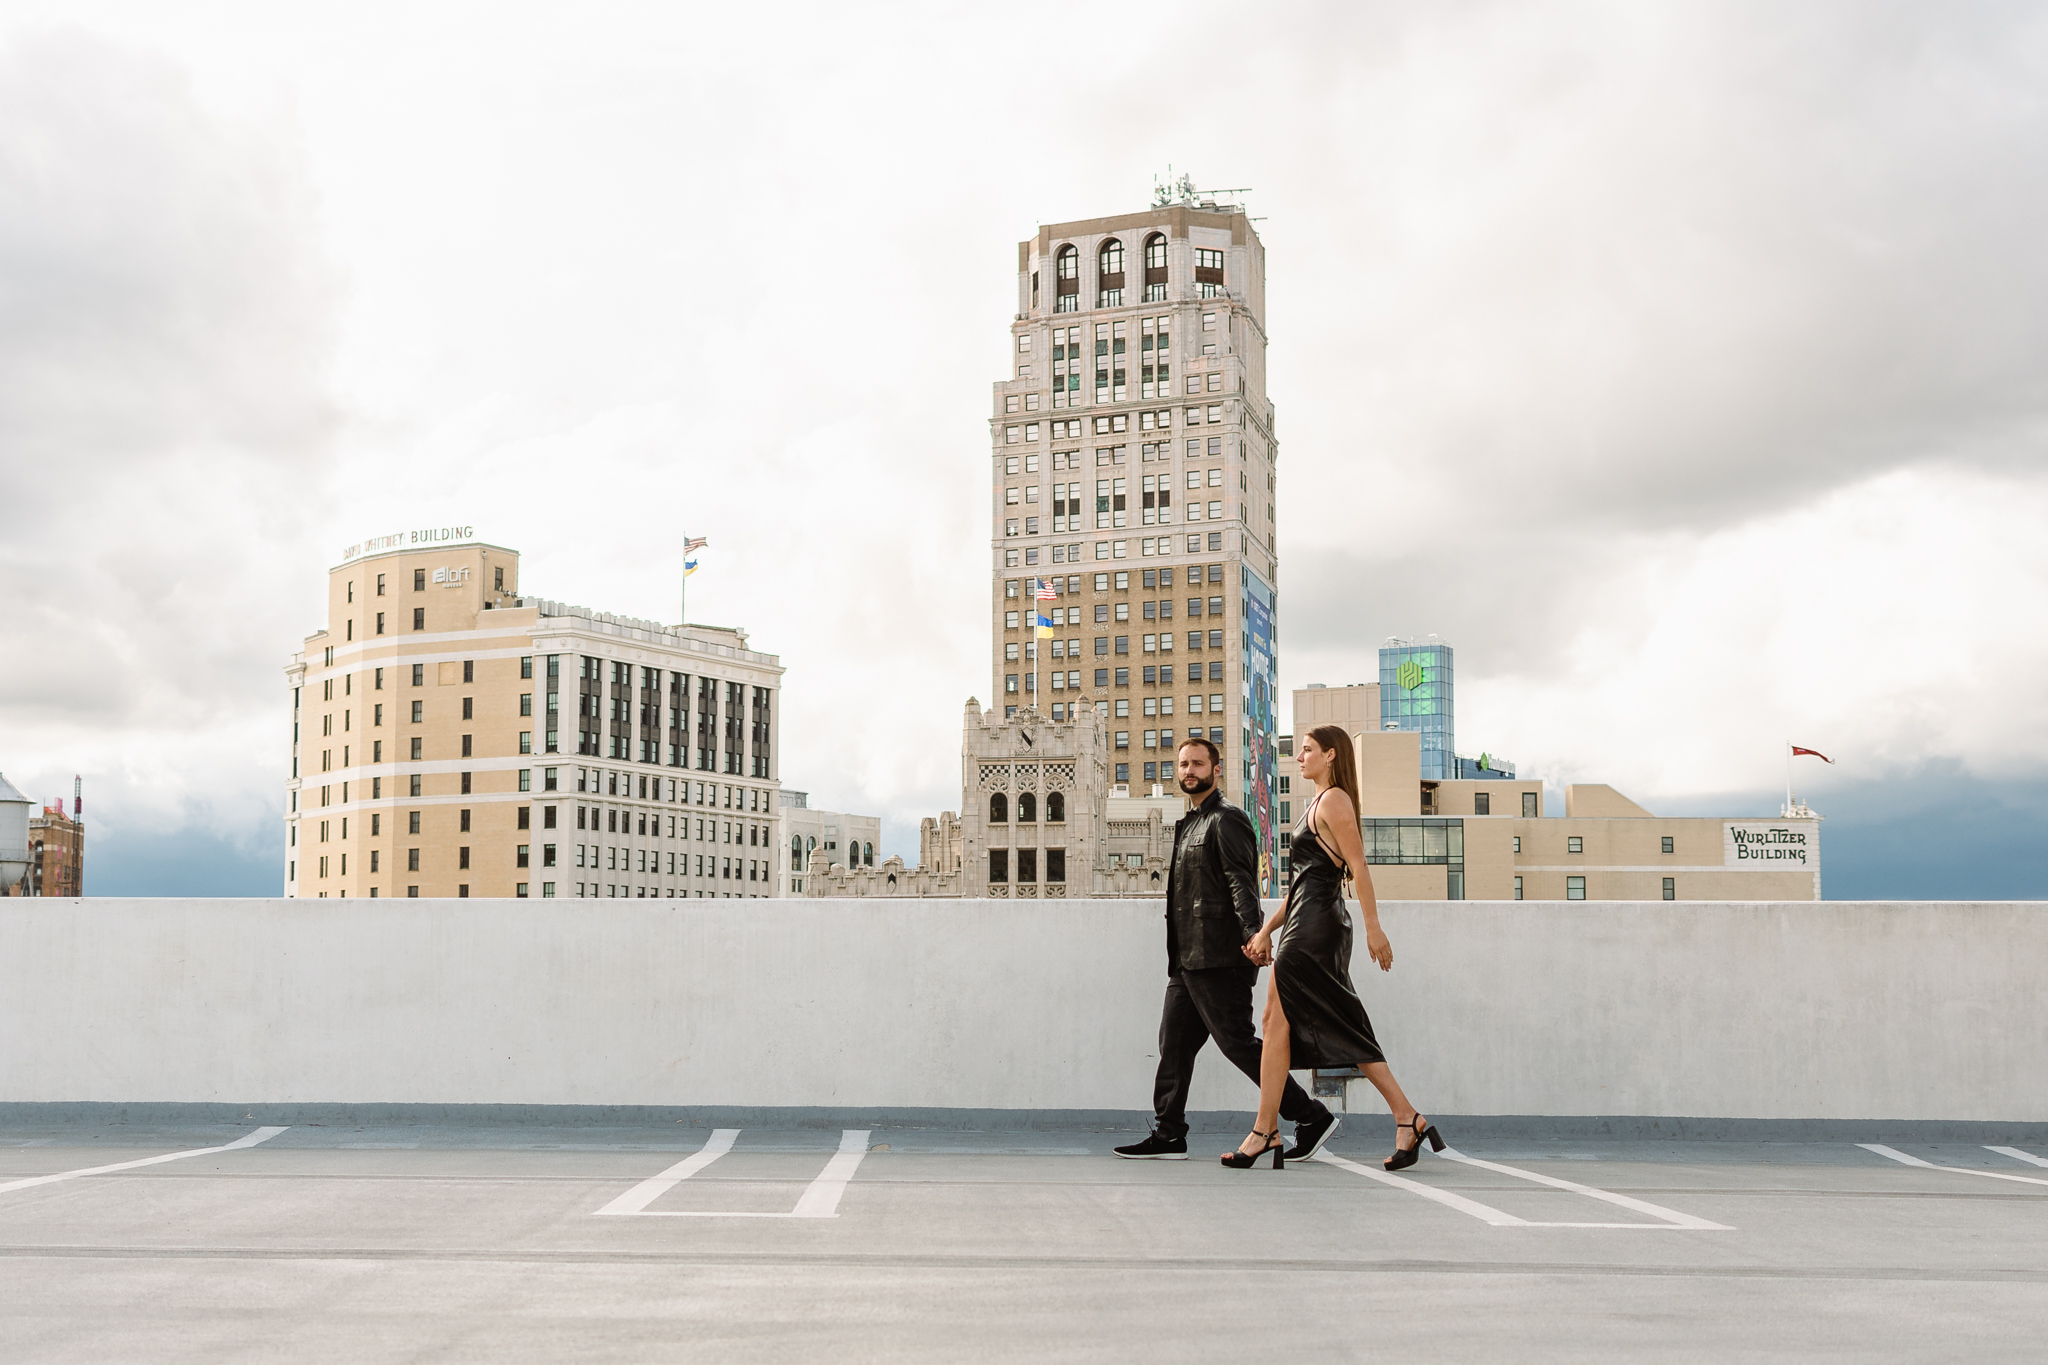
(1376, 943)
(1260, 948)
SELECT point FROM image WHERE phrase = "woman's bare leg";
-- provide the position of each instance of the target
(1276, 1052)
(1382, 1077)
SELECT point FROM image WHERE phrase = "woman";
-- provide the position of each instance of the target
(1313, 1016)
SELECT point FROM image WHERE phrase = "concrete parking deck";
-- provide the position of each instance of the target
(342, 1241)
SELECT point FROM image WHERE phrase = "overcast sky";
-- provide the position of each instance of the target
(1685, 366)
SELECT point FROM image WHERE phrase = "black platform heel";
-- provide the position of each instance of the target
(1404, 1157)
(1244, 1161)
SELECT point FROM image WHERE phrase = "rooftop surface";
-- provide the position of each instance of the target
(337, 1241)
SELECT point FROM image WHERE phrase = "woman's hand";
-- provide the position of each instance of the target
(1376, 944)
(1260, 949)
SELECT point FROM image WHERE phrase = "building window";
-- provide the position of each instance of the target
(1027, 864)
(998, 809)
(419, 580)
(1518, 888)
(1055, 865)
(1482, 802)
(1574, 888)
(1055, 808)
(1518, 843)
(999, 865)
(1529, 803)
(419, 619)
(412, 860)
(1574, 844)
(1671, 888)
(1667, 849)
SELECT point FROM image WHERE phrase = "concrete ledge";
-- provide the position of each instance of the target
(1532, 1127)
(1666, 1012)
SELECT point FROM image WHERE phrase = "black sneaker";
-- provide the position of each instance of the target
(1156, 1148)
(1309, 1137)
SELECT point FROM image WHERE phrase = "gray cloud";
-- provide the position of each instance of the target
(165, 322)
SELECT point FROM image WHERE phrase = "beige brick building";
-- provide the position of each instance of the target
(1491, 840)
(1134, 458)
(454, 737)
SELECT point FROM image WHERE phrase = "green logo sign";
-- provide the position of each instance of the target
(1409, 675)
(1485, 761)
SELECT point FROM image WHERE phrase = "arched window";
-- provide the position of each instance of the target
(867, 855)
(1055, 807)
(796, 849)
(1067, 279)
(1155, 268)
(1069, 262)
(1109, 264)
(999, 809)
(1027, 808)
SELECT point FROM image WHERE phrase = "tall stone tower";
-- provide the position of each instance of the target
(1133, 454)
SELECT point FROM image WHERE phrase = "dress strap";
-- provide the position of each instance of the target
(1321, 842)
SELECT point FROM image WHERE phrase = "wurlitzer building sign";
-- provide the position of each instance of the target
(425, 537)
(1772, 845)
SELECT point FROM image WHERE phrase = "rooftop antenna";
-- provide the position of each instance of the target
(1180, 190)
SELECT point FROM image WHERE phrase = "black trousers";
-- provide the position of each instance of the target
(1215, 1003)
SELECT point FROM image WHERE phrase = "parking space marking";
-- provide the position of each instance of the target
(651, 1189)
(1896, 1155)
(246, 1140)
(2017, 1155)
(1670, 1219)
(820, 1198)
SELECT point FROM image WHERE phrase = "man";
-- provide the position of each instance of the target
(1212, 911)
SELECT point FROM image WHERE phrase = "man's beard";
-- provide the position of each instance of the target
(1195, 786)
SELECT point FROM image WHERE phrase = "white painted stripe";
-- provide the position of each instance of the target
(246, 1140)
(1482, 1212)
(2017, 1155)
(647, 1191)
(1671, 1216)
(1896, 1155)
(821, 1197)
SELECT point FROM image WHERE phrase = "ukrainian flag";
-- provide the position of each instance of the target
(1044, 626)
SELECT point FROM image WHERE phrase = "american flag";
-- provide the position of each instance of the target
(1046, 592)
(697, 543)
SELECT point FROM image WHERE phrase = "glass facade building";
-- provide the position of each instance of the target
(1416, 693)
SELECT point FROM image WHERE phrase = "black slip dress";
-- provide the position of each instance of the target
(1312, 966)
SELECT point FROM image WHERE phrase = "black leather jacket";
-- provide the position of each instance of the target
(1212, 891)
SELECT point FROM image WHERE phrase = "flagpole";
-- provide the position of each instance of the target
(1788, 778)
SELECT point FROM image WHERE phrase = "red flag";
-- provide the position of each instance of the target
(1796, 751)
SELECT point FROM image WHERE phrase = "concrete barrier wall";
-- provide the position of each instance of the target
(1799, 1011)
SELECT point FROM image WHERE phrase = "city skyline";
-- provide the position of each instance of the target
(1685, 431)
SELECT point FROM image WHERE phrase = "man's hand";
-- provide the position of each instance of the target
(1260, 949)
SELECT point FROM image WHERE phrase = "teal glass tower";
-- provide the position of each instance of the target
(1417, 685)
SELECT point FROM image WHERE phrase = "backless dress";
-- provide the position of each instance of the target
(1312, 965)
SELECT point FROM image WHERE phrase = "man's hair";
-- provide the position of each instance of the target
(1215, 754)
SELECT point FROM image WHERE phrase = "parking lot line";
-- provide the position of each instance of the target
(820, 1198)
(651, 1189)
(1671, 1217)
(1672, 1220)
(1485, 1213)
(246, 1140)
(1896, 1155)
(2017, 1155)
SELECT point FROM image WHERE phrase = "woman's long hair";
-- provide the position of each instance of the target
(1343, 762)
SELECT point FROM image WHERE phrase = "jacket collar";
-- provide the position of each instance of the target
(1208, 806)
